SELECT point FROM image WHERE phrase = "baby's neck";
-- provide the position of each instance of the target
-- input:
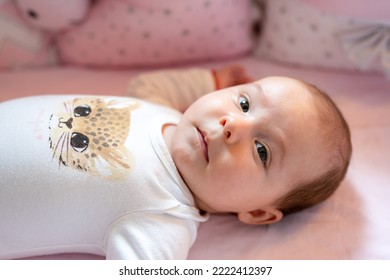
(168, 130)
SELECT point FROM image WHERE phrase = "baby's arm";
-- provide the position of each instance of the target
(180, 88)
(230, 76)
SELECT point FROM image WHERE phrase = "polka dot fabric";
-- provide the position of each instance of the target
(298, 33)
(146, 32)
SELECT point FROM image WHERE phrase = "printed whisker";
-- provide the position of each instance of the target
(60, 159)
(67, 148)
(68, 109)
(56, 147)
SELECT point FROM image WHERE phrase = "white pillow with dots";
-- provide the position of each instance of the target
(297, 32)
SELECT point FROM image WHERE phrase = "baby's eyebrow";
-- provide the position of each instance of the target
(260, 92)
(257, 86)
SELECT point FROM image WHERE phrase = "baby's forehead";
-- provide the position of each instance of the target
(282, 84)
(283, 91)
(279, 79)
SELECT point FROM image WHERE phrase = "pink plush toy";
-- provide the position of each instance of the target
(22, 45)
(53, 15)
(29, 28)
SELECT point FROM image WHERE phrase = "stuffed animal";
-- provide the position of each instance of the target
(29, 29)
(53, 15)
(22, 45)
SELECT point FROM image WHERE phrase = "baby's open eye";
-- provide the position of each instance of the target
(82, 111)
(244, 103)
(79, 142)
(262, 152)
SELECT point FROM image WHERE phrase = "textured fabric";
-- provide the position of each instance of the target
(181, 88)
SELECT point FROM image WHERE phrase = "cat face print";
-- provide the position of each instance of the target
(89, 134)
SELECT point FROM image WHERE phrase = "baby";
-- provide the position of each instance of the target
(131, 179)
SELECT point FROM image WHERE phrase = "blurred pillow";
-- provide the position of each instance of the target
(358, 9)
(20, 44)
(301, 33)
(149, 32)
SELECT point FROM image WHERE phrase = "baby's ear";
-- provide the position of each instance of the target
(264, 216)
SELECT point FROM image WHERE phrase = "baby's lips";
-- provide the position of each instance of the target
(203, 143)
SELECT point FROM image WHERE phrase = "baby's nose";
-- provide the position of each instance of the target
(234, 128)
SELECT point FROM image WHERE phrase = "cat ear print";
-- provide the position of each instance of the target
(121, 103)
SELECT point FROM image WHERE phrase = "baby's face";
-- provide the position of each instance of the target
(241, 148)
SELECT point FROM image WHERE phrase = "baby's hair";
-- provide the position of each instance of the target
(337, 134)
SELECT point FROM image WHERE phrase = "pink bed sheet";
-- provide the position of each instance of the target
(352, 224)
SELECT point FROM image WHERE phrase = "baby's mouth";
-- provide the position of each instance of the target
(203, 144)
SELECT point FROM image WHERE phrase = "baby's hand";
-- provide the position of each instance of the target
(231, 75)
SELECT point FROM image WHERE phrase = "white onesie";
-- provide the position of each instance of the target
(93, 175)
